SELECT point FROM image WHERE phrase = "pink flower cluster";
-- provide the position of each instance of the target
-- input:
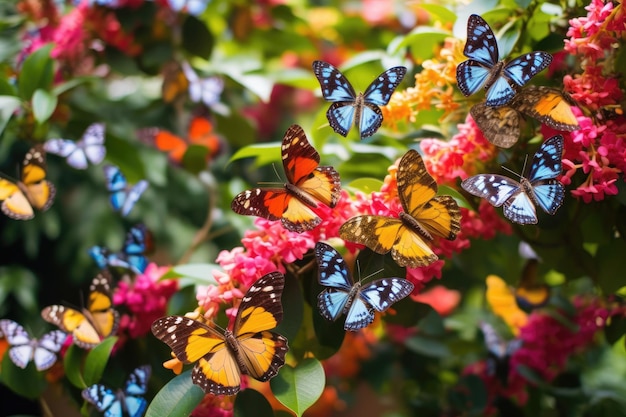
(459, 157)
(598, 149)
(225, 292)
(145, 299)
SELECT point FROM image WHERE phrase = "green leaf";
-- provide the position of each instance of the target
(97, 359)
(428, 347)
(177, 398)
(264, 153)
(423, 41)
(298, 388)
(44, 104)
(72, 363)
(251, 403)
(37, 72)
(8, 106)
(196, 37)
(365, 185)
(28, 382)
(68, 85)
(458, 197)
(193, 274)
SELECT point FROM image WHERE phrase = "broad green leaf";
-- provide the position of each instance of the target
(458, 197)
(259, 85)
(97, 360)
(428, 347)
(28, 382)
(8, 106)
(177, 398)
(423, 41)
(197, 39)
(193, 274)
(251, 403)
(264, 153)
(365, 185)
(6, 88)
(68, 85)
(37, 72)
(44, 104)
(439, 13)
(298, 388)
(73, 364)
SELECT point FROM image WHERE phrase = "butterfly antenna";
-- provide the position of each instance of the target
(513, 172)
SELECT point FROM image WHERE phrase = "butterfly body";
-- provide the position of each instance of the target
(24, 349)
(90, 148)
(354, 300)
(250, 347)
(484, 69)
(129, 400)
(308, 184)
(139, 241)
(33, 191)
(122, 196)
(519, 198)
(424, 215)
(348, 108)
(91, 324)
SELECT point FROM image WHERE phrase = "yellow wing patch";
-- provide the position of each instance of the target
(93, 323)
(33, 191)
(425, 217)
(250, 348)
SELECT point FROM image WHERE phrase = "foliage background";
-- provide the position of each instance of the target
(263, 51)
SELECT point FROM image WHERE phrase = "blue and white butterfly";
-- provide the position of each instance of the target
(122, 196)
(519, 198)
(78, 154)
(193, 7)
(24, 348)
(484, 67)
(203, 90)
(129, 401)
(363, 109)
(355, 300)
(500, 352)
(139, 241)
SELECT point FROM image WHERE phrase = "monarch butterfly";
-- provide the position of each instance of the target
(249, 348)
(348, 107)
(519, 198)
(357, 301)
(91, 324)
(501, 125)
(307, 184)
(424, 217)
(129, 400)
(24, 349)
(78, 154)
(33, 191)
(484, 67)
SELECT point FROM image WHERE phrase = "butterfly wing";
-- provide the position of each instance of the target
(22, 350)
(122, 197)
(384, 292)
(523, 68)
(548, 105)
(207, 90)
(333, 274)
(139, 241)
(14, 202)
(100, 305)
(89, 149)
(337, 89)
(481, 44)
(46, 350)
(340, 116)
(104, 399)
(201, 133)
(548, 192)
(165, 141)
(216, 370)
(136, 387)
(68, 149)
(500, 125)
(380, 90)
(496, 189)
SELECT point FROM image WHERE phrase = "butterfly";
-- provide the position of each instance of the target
(193, 7)
(139, 241)
(250, 348)
(483, 67)
(307, 185)
(24, 348)
(90, 148)
(122, 197)
(348, 107)
(356, 301)
(175, 83)
(501, 125)
(424, 217)
(130, 400)
(33, 191)
(203, 90)
(200, 134)
(519, 198)
(500, 352)
(91, 324)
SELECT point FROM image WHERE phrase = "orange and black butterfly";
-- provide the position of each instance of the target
(550, 106)
(19, 199)
(424, 217)
(200, 134)
(250, 348)
(92, 324)
(307, 185)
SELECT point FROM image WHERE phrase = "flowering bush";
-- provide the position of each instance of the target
(189, 91)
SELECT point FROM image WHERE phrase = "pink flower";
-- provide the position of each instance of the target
(211, 297)
(145, 298)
